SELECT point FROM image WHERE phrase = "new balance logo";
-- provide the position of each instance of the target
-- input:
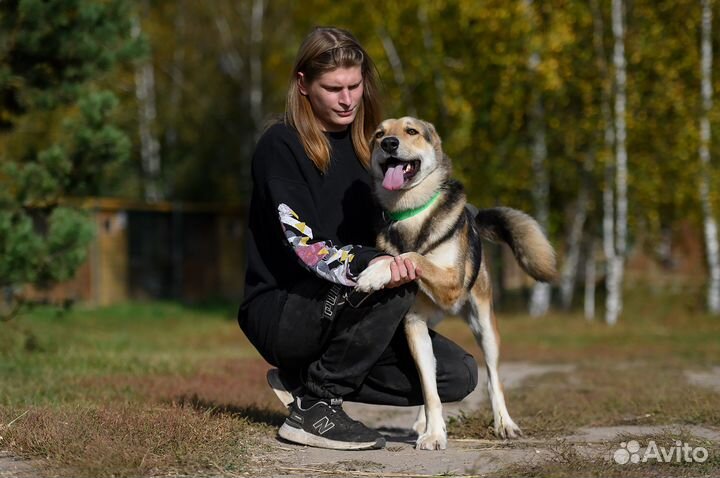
(323, 425)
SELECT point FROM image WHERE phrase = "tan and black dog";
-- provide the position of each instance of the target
(428, 223)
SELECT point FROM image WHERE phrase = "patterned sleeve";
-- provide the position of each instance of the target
(320, 256)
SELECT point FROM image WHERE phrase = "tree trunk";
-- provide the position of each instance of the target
(590, 282)
(540, 297)
(608, 197)
(397, 68)
(256, 91)
(231, 61)
(568, 274)
(710, 226)
(617, 265)
(177, 77)
(177, 80)
(147, 114)
(438, 79)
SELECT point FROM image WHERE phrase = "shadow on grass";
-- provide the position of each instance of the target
(251, 413)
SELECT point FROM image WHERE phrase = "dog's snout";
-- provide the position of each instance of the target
(390, 144)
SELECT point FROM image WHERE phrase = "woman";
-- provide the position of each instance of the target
(311, 226)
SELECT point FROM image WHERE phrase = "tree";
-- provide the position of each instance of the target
(712, 249)
(150, 157)
(51, 52)
(617, 261)
(540, 297)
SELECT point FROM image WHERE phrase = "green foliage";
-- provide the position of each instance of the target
(50, 49)
(53, 55)
(466, 66)
(20, 249)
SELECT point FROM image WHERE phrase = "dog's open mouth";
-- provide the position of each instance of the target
(398, 172)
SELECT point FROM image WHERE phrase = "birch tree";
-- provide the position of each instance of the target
(608, 134)
(147, 114)
(430, 49)
(617, 260)
(710, 226)
(569, 270)
(177, 75)
(397, 68)
(590, 267)
(540, 297)
(256, 89)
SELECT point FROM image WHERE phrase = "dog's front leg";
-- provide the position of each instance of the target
(442, 284)
(416, 330)
(421, 421)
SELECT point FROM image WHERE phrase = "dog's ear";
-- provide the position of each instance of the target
(431, 135)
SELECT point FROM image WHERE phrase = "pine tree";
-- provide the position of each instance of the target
(52, 54)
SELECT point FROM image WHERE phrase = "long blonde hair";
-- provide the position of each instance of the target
(326, 49)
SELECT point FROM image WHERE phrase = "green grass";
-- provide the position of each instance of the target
(161, 389)
(628, 374)
(655, 325)
(44, 352)
(131, 390)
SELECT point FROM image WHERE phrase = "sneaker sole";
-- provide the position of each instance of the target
(300, 436)
(273, 379)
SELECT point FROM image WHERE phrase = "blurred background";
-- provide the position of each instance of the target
(126, 130)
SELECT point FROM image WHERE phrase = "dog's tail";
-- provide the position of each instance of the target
(524, 236)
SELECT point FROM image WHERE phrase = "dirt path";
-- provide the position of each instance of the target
(463, 457)
(709, 379)
(11, 467)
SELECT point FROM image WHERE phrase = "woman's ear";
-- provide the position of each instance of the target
(301, 83)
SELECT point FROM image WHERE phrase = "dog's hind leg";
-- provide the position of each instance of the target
(434, 436)
(480, 317)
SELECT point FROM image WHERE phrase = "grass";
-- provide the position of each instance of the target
(655, 325)
(629, 374)
(161, 389)
(568, 461)
(132, 390)
(600, 394)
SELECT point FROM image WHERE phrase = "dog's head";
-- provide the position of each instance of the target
(405, 152)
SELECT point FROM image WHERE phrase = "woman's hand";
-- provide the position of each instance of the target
(401, 270)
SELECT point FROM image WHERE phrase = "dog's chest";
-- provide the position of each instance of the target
(432, 238)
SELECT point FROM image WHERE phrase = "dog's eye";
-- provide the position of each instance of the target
(412, 131)
(379, 134)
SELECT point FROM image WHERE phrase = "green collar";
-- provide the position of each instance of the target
(408, 213)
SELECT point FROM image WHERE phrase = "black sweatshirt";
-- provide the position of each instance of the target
(302, 223)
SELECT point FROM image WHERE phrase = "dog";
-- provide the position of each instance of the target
(427, 221)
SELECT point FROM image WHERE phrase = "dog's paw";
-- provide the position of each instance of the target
(432, 441)
(374, 277)
(506, 428)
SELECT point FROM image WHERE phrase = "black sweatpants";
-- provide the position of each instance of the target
(361, 355)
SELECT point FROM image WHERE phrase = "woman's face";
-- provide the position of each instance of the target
(335, 96)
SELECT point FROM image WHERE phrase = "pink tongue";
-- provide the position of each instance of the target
(394, 178)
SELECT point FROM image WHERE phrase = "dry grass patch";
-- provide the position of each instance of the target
(233, 386)
(128, 440)
(600, 395)
(571, 460)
